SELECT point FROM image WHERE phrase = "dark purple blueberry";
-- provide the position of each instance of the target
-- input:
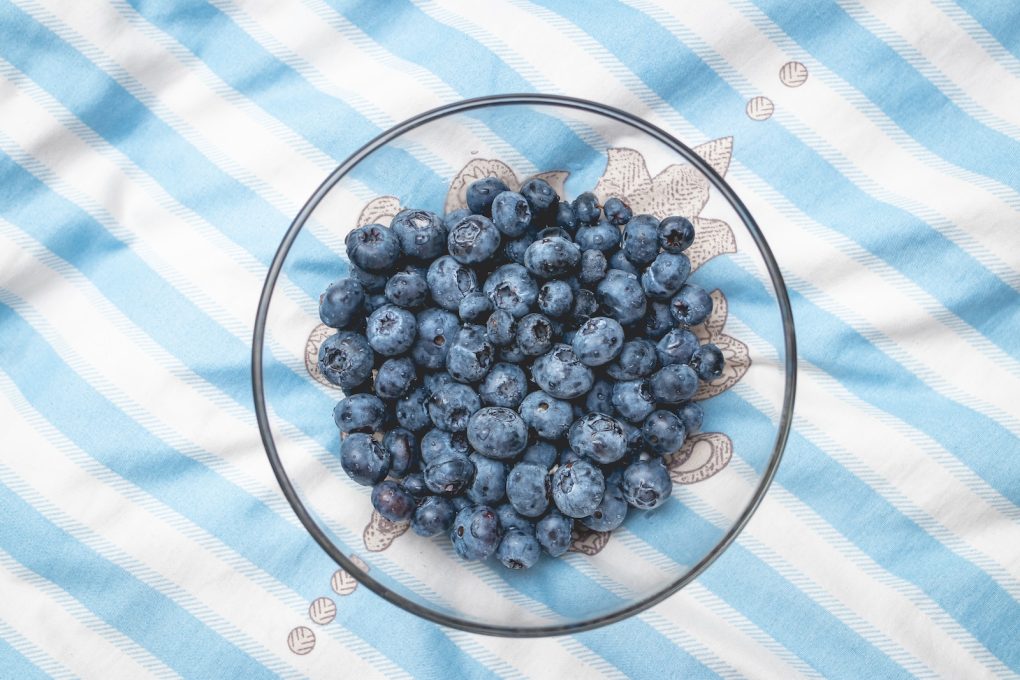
(341, 303)
(374, 248)
(392, 502)
(422, 234)
(364, 459)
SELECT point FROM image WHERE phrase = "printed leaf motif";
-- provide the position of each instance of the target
(322, 610)
(301, 640)
(380, 532)
(626, 173)
(477, 168)
(717, 153)
(315, 339)
(379, 210)
(587, 541)
(343, 583)
(677, 190)
(702, 455)
(734, 351)
(711, 238)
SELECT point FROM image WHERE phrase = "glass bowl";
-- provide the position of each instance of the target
(721, 474)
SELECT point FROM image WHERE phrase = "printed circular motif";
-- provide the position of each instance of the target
(322, 610)
(343, 583)
(301, 640)
(793, 74)
(760, 108)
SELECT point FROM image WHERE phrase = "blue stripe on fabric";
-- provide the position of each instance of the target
(1000, 19)
(14, 664)
(116, 596)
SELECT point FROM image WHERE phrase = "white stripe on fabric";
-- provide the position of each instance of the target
(994, 50)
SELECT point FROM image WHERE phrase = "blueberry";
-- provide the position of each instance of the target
(373, 301)
(518, 550)
(602, 236)
(637, 359)
(453, 217)
(391, 330)
(676, 234)
(434, 516)
(476, 532)
(461, 502)
(374, 248)
(600, 398)
(659, 320)
(402, 447)
(565, 217)
(346, 359)
(577, 488)
(473, 240)
(708, 362)
(633, 399)
(641, 239)
(471, 355)
(617, 212)
(359, 413)
(449, 281)
(560, 373)
(511, 519)
(438, 443)
(548, 416)
(409, 290)
(372, 283)
(433, 381)
(554, 533)
(392, 502)
(585, 305)
(451, 405)
(676, 347)
(504, 385)
(646, 484)
(663, 432)
(437, 329)
(489, 485)
(414, 484)
(691, 305)
(475, 307)
(411, 411)
(527, 488)
(612, 510)
(541, 453)
(514, 250)
(665, 275)
(619, 261)
(593, 267)
(450, 474)
(599, 437)
(512, 289)
(364, 459)
(341, 303)
(587, 208)
(501, 328)
(512, 354)
(422, 234)
(555, 298)
(598, 341)
(674, 383)
(497, 432)
(553, 232)
(511, 214)
(692, 416)
(551, 256)
(542, 198)
(622, 297)
(534, 335)
(481, 193)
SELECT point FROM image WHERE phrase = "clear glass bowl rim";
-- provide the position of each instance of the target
(790, 368)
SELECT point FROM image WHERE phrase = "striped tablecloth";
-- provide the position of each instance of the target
(153, 153)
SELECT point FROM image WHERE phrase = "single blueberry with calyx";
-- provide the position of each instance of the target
(527, 488)
(421, 233)
(481, 193)
(555, 298)
(641, 239)
(359, 413)
(473, 240)
(475, 307)
(449, 281)
(414, 484)
(453, 217)
(665, 275)
(560, 373)
(373, 247)
(593, 267)
(658, 320)
(587, 208)
(437, 329)
(633, 399)
(341, 303)
(402, 446)
(617, 212)
(692, 416)
(599, 437)
(585, 305)
(646, 484)
(346, 359)
(518, 549)
(504, 385)
(619, 261)
(676, 347)
(511, 288)
(471, 355)
(554, 533)
(373, 301)
(598, 341)
(542, 453)
(622, 297)
(511, 214)
(602, 236)
(551, 256)
(534, 334)
(497, 432)
(542, 199)
(708, 362)
(663, 432)
(412, 411)
(433, 516)
(364, 459)
(637, 359)
(391, 330)
(437, 443)
(450, 474)
(475, 532)
(371, 282)
(548, 416)
(673, 384)
(489, 484)
(612, 510)
(565, 217)
(407, 289)
(451, 406)
(501, 328)
(691, 305)
(392, 502)
(577, 488)
(676, 234)
(511, 519)
(600, 398)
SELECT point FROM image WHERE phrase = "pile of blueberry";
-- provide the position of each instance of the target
(529, 360)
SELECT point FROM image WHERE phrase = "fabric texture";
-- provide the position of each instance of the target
(152, 154)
